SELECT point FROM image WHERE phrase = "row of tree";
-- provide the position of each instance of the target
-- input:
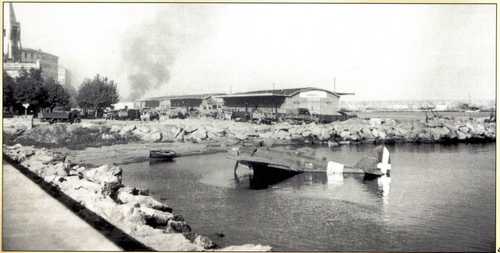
(46, 94)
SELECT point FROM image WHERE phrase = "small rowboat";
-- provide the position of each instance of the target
(162, 155)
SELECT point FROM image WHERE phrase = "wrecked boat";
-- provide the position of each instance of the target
(162, 155)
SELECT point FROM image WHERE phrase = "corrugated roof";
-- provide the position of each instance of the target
(285, 92)
(256, 93)
(193, 96)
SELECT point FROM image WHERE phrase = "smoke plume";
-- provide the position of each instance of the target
(150, 48)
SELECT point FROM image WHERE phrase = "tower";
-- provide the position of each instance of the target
(12, 36)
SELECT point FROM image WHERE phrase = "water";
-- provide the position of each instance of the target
(420, 115)
(438, 198)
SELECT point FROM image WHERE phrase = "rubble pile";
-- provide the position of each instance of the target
(100, 190)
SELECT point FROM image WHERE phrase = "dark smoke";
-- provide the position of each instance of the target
(150, 49)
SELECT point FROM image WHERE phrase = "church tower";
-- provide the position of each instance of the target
(12, 36)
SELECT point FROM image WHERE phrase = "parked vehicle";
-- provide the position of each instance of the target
(133, 114)
(126, 114)
(240, 116)
(299, 116)
(262, 118)
(60, 115)
(111, 115)
(177, 113)
(150, 116)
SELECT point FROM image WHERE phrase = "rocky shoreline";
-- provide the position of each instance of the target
(131, 210)
(73, 167)
(353, 131)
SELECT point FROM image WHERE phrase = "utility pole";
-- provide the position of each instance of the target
(334, 84)
(274, 103)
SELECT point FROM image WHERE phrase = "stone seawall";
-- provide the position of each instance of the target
(353, 131)
(100, 190)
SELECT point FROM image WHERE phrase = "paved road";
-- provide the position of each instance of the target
(33, 220)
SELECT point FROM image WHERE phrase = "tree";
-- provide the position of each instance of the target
(70, 89)
(56, 94)
(29, 89)
(8, 91)
(97, 93)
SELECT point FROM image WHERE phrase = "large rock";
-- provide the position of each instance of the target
(324, 134)
(18, 152)
(204, 242)
(306, 133)
(425, 136)
(110, 178)
(463, 136)
(379, 133)
(198, 136)
(389, 122)
(128, 195)
(477, 130)
(127, 129)
(178, 226)
(152, 137)
(115, 129)
(59, 169)
(374, 122)
(439, 133)
(155, 218)
(80, 190)
(169, 134)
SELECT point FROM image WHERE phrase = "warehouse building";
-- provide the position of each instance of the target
(146, 103)
(199, 102)
(286, 101)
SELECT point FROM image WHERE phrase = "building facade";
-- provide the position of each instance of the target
(199, 102)
(63, 76)
(13, 69)
(286, 101)
(147, 103)
(48, 62)
(16, 57)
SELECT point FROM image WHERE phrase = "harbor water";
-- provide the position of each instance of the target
(437, 198)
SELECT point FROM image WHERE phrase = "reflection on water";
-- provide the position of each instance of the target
(335, 179)
(437, 198)
(379, 186)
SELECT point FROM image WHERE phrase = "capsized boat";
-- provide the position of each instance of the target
(162, 154)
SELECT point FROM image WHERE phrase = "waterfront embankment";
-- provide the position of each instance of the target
(98, 195)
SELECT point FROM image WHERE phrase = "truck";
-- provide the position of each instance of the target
(299, 116)
(126, 114)
(59, 114)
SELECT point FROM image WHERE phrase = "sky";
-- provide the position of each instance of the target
(377, 51)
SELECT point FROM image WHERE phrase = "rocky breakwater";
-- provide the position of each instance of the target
(228, 132)
(376, 130)
(101, 191)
